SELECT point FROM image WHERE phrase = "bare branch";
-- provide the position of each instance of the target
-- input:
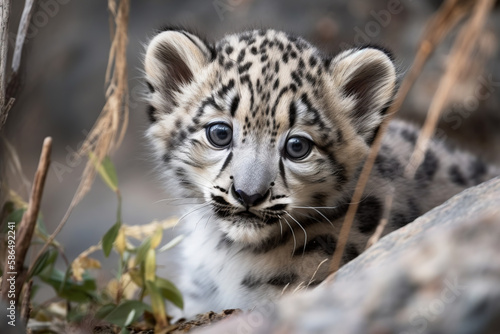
(21, 34)
(4, 47)
(13, 85)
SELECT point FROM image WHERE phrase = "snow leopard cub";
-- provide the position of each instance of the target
(268, 135)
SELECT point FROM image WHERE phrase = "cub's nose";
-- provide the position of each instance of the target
(246, 199)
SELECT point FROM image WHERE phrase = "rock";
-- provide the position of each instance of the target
(439, 274)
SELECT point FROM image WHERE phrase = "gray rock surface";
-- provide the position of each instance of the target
(440, 274)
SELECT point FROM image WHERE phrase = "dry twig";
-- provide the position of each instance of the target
(445, 19)
(26, 227)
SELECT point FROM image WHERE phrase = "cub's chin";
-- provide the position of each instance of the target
(247, 228)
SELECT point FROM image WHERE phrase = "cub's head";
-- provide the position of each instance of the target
(261, 125)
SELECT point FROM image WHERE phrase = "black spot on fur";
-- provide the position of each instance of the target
(283, 279)
(292, 114)
(250, 282)
(183, 179)
(271, 243)
(282, 173)
(219, 200)
(409, 136)
(477, 170)
(150, 87)
(224, 242)
(350, 253)
(388, 167)
(324, 243)
(151, 114)
(234, 105)
(244, 68)
(456, 176)
(277, 207)
(426, 171)
(369, 214)
(319, 199)
(339, 171)
(225, 164)
(313, 61)
(241, 56)
(400, 219)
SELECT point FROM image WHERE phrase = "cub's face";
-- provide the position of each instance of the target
(261, 127)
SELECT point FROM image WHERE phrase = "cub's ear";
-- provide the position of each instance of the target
(173, 58)
(367, 80)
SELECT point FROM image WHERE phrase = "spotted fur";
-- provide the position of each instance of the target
(268, 221)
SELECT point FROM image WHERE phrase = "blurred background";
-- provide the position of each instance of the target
(66, 58)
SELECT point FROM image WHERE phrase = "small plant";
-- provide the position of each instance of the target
(122, 300)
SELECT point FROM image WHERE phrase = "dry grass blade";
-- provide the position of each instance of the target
(446, 18)
(110, 127)
(14, 167)
(383, 222)
(460, 58)
(26, 227)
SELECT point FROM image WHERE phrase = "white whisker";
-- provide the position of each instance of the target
(293, 233)
(190, 212)
(303, 229)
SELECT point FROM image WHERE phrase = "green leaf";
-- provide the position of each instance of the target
(170, 292)
(142, 250)
(106, 170)
(75, 315)
(15, 217)
(126, 313)
(34, 290)
(172, 243)
(104, 310)
(157, 304)
(45, 261)
(69, 289)
(109, 238)
(6, 210)
(150, 265)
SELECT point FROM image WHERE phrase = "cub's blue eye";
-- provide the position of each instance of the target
(298, 148)
(219, 134)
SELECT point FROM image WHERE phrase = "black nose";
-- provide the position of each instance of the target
(247, 200)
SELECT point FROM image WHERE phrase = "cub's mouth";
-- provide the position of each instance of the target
(263, 217)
